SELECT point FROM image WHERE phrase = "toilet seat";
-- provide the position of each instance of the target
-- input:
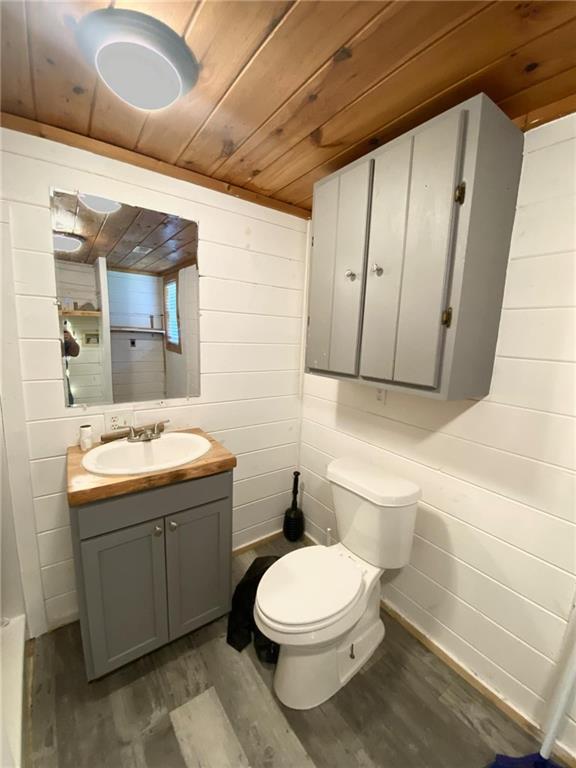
(309, 589)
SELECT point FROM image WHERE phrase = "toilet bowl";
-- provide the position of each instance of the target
(322, 604)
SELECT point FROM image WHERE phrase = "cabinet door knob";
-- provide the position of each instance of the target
(157, 530)
(173, 525)
(377, 269)
(350, 275)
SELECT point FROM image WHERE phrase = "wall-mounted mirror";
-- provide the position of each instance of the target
(127, 287)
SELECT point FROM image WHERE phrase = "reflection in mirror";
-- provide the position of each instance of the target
(127, 287)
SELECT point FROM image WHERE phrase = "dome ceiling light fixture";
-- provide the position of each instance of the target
(99, 204)
(67, 243)
(141, 59)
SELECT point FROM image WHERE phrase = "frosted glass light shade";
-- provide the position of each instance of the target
(138, 75)
(66, 243)
(141, 59)
(99, 204)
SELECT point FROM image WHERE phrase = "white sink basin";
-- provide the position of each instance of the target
(123, 458)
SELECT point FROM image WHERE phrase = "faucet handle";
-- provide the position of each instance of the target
(159, 424)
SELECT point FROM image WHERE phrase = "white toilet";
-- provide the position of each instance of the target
(322, 604)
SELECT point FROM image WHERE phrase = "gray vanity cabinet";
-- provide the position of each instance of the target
(125, 583)
(440, 207)
(150, 567)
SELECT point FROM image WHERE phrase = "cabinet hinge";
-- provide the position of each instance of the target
(447, 317)
(460, 193)
(312, 240)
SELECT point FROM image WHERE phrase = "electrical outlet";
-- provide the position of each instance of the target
(117, 420)
(381, 395)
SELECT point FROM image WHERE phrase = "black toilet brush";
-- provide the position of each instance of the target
(293, 517)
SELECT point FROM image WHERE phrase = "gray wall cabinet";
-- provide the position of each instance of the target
(409, 253)
(150, 567)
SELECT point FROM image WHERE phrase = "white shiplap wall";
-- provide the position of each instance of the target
(77, 283)
(138, 372)
(87, 370)
(135, 300)
(492, 575)
(251, 263)
(183, 369)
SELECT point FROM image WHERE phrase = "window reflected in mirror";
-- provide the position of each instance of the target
(127, 288)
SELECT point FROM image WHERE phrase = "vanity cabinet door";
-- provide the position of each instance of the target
(198, 545)
(125, 586)
(337, 270)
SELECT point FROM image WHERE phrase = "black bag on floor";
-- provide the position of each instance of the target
(241, 624)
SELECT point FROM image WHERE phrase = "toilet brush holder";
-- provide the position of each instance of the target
(294, 517)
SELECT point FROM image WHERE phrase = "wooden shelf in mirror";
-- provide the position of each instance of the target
(79, 312)
(133, 329)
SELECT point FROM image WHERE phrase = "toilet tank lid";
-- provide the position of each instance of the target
(372, 482)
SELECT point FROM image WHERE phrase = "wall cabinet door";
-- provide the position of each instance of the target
(436, 159)
(411, 225)
(198, 544)
(322, 274)
(341, 208)
(125, 587)
(385, 260)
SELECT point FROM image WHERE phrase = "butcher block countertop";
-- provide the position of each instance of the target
(85, 487)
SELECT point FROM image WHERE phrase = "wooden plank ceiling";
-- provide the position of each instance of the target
(132, 239)
(291, 90)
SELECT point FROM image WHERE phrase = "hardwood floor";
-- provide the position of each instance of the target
(198, 703)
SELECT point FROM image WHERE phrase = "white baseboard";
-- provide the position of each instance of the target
(315, 533)
(525, 723)
(12, 641)
(249, 537)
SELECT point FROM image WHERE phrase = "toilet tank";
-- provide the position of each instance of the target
(375, 511)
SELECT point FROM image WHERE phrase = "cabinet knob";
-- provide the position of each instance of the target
(350, 275)
(173, 525)
(157, 530)
(377, 270)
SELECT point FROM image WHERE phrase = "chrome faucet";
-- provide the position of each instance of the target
(147, 433)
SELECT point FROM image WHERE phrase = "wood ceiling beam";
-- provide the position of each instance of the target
(224, 49)
(512, 82)
(44, 131)
(454, 64)
(15, 69)
(407, 28)
(546, 114)
(313, 32)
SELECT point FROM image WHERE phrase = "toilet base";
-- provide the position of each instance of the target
(308, 675)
